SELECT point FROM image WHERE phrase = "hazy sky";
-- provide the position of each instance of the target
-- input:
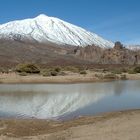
(112, 19)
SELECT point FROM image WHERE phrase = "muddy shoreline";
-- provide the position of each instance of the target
(108, 125)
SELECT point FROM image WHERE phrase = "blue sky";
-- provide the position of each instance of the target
(112, 19)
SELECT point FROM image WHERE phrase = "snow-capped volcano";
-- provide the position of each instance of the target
(50, 29)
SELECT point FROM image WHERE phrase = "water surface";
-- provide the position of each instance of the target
(65, 101)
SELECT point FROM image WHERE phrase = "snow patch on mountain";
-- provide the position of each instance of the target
(44, 28)
(133, 47)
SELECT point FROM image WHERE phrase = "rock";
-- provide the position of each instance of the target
(118, 45)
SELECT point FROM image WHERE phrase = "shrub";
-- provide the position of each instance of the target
(131, 71)
(99, 76)
(110, 76)
(83, 72)
(27, 68)
(137, 69)
(116, 72)
(62, 73)
(57, 69)
(124, 70)
(23, 74)
(54, 73)
(51, 72)
(46, 73)
(82, 68)
(72, 69)
(2, 70)
(105, 70)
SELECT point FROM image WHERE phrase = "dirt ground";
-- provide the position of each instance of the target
(110, 126)
(12, 78)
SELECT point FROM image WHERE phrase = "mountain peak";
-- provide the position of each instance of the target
(42, 16)
(44, 28)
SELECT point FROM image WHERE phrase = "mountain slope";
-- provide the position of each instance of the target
(133, 47)
(45, 29)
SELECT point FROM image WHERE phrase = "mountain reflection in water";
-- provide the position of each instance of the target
(48, 101)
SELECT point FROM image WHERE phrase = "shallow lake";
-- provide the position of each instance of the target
(66, 101)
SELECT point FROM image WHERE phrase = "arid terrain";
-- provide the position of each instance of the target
(110, 126)
(12, 78)
(16, 52)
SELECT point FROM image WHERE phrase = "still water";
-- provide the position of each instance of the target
(66, 101)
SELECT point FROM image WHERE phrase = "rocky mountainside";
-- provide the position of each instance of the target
(50, 41)
(15, 52)
(116, 55)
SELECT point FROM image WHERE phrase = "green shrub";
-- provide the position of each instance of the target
(62, 73)
(72, 69)
(46, 73)
(54, 73)
(57, 69)
(23, 74)
(105, 70)
(131, 71)
(137, 69)
(83, 72)
(82, 68)
(99, 76)
(51, 71)
(2, 70)
(110, 76)
(124, 70)
(27, 68)
(116, 72)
